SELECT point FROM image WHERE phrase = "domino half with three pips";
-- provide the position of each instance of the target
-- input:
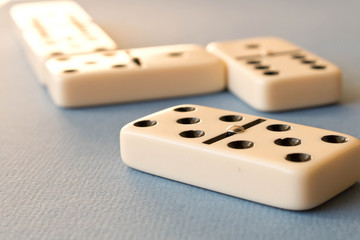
(277, 163)
(271, 74)
(56, 28)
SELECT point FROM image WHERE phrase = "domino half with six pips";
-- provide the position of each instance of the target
(56, 28)
(271, 74)
(133, 75)
(277, 163)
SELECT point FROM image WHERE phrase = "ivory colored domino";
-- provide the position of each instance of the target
(281, 164)
(271, 74)
(56, 28)
(133, 75)
(49, 13)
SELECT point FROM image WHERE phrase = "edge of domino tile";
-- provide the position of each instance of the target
(165, 48)
(213, 44)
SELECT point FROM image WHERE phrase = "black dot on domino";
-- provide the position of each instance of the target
(298, 56)
(252, 46)
(307, 61)
(145, 123)
(298, 157)
(262, 67)
(190, 120)
(231, 118)
(318, 67)
(184, 109)
(62, 58)
(242, 144)
(271, 73)
(192, 134)
(56, 54)
(278, 127)
(334, 139)
(175, 54)
(253, 62)
(70, 71)
(287, 142)
(119, 66)
(101, 49)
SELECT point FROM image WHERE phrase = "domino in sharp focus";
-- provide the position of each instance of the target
(56, 28)
(277, 163)
(133, 75)
(271, 74)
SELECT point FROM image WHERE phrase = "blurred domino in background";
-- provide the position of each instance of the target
(57, 28)
(271, 74)
(133, 75)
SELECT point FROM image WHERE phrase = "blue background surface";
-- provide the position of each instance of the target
(61, 175)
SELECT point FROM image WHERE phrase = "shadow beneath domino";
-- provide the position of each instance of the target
(344, 205)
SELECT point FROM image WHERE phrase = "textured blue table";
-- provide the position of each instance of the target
(61, 176)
